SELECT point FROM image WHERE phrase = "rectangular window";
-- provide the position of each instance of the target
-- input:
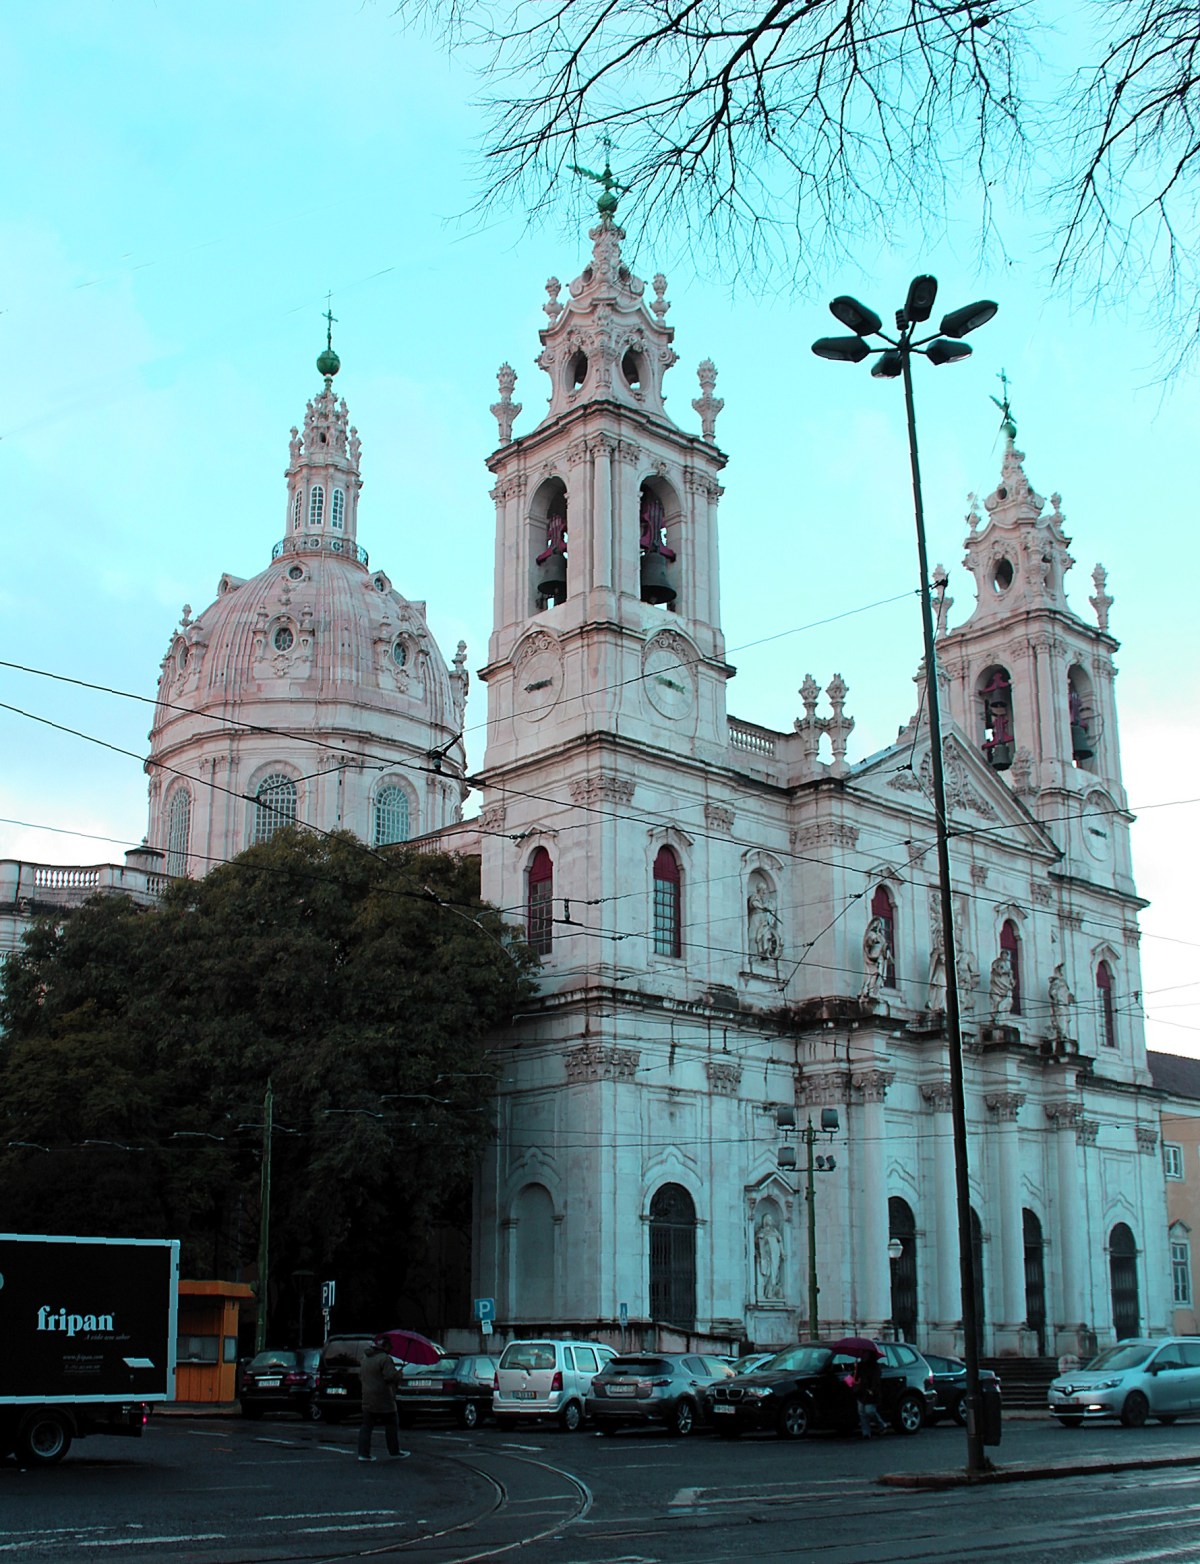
(1181, 1275)
(197, 1349)
(666, 918)
(1172, 1160)
(540, 932)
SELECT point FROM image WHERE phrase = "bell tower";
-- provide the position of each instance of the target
(606, 580)
(1029, 682)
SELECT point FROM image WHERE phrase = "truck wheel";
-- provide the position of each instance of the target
(45, 1438)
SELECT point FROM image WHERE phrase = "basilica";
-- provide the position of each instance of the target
(726, 1116)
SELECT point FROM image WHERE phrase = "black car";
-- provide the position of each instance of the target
(654, 1387)
(950, 1387)
(457, 1387)
(809, 1387)
(280, 1379)
(339, 1380)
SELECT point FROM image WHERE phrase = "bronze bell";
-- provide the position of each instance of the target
(998, 755)
(1081, 742)
(552, 577)
(655, 586)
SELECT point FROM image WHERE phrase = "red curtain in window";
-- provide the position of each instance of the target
(1010, 942)
(1108, 1018)
(667, 904)
(539, 905)
(883, 908)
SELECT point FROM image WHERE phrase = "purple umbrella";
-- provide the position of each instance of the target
(856, 1347)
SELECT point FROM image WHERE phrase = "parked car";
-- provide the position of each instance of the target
(338, 1392)
(654, 1387)
(546, 1379)
(457, 1387)
(1136, 1379)
(809, 1387)
(950, 1387)
(280, 1379)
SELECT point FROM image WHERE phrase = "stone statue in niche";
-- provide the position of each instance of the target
(968, 981)
(935, 997)
(877, 953)
(1002, 986)
(768, 1255)
(763, 924)
(1061, 1000)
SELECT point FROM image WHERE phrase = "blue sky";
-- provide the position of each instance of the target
(182, 186)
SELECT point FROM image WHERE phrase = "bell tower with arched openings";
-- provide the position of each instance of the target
(1032, 684)
(606, 580)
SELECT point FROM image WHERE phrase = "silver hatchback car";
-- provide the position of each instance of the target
(1136, 1379)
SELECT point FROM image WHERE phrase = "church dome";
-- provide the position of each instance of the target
(312, 692)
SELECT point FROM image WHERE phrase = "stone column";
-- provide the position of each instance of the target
(871, 1265)
(1008, 1288)
(1069, 1289)
(941, 1268)
(602, 519)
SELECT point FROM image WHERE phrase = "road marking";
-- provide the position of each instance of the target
(314, 1531)
(141, 1542)
(327, 1515)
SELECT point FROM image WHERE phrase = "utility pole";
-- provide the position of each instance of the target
(264, 1222)
(813, 1327)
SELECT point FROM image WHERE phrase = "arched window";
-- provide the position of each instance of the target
(996, 703)
(391, 816)
(656, 553)
(274, 806)
(551, 546)
(1080, 715)
(1123, 1282)
(1011, 942)
(1104, 998)
(297, 511)
(179, 829)
(337, 514)
(539, 903)
(884, 908)
(316, 505)
(902, 1229)
(667, 904)
(673, 1257)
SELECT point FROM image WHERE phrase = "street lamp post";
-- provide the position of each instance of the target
(895, 360)
(785, 1119)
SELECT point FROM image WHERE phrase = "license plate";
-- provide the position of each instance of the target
(268, 1384)
(524, 1395)
(719, 1406)
(622, 1390)
(336, 1390)
(422, 1384)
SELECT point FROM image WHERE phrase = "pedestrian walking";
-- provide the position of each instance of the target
(379, 1376)
(868, 1386)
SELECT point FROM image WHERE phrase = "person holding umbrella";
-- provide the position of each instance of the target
(867, 1385)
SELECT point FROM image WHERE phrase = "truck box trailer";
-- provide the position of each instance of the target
(87, 1338)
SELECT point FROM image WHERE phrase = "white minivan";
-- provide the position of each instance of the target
(546, 1379)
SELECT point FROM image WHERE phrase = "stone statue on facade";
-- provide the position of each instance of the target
(768, 1255)
(877, 952)
(968, 981)
(763, 925)
(1061, 1000)
(935, 997)
(1002, 986)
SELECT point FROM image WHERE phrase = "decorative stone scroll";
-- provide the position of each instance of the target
(1064, 1115)
(724, 1078)
(826, 833)
(601, 1062)
(719, 817)
(938, 1096)
(492, 818)
(1086, 1131)
(1005, 1105)
(1147, 1139)
(873, 1084)
(826, 1087)
(601, 789)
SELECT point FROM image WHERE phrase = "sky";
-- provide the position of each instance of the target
(183, 186)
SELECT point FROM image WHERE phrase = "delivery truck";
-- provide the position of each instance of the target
(87, 1339)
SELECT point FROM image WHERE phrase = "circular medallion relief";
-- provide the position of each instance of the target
(668, 678)
(537, 681)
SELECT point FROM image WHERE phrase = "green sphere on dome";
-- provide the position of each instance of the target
(607, 204)
(329, 363)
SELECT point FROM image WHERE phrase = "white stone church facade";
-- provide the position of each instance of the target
(739, 927)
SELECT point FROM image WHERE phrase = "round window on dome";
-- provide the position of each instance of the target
(399, 653)
(181, 656)
(283, 639)
(379, 584)
(296, 573)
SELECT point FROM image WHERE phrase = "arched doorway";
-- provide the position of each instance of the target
(1122, 1272)
(902, 1230)
(673, 1257)
(1035, 1279)
(977, 1261)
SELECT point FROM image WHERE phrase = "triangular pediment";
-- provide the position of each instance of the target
(977, 800)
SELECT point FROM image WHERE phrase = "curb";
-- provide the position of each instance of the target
(1097, 1466)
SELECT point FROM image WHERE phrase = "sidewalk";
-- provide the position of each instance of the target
(1081, 1466)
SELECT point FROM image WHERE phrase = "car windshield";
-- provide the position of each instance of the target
(444, 1368)
(636, 1366)
(1125, 1355)
(273, 1359)
(528, 1355)
(796, 1360)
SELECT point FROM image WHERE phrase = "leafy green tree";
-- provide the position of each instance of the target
(138, 1045)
